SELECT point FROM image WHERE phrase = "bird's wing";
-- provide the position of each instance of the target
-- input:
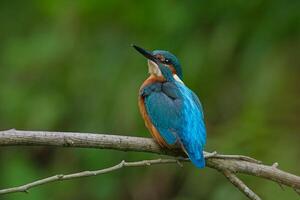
(201, 121)
(163, 107)
(198, 103)
(193, 134)
(177, 114)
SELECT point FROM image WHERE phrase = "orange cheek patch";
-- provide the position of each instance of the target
(172, 68)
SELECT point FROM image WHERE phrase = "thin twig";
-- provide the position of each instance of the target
(240, 185)
(62, 177)
(234, 157)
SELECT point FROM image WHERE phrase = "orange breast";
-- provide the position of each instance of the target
(154, 132)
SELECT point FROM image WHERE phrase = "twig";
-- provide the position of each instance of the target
(231, 163)
(240, 185)
(234, 157)
(62, 177)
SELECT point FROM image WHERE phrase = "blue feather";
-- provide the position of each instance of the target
(193, 136)
(162, 111)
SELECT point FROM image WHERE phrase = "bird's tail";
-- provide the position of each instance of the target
(198, 161)
(196, 157)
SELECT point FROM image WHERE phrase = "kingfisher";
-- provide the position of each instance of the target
(172, 112)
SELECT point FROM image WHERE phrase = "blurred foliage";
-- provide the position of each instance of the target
(68, 66)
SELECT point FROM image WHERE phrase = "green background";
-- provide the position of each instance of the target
(68, 66)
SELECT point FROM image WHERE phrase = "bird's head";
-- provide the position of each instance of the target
(166, 58)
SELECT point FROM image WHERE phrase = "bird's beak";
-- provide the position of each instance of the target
(146, 53)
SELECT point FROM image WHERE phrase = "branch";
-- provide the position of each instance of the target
(240, 185)
(226, 164)
(62, 177)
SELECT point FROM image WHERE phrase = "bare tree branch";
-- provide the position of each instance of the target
(230, 164)
(240, 185)
(62, 177)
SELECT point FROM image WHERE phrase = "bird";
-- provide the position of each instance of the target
(171, 111)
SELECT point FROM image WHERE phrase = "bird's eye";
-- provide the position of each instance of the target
(167, 61)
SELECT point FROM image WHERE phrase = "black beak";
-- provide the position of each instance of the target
(146, 53)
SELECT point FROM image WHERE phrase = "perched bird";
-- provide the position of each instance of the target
(171, 111)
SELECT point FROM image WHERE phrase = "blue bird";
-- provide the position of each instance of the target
(171, 111)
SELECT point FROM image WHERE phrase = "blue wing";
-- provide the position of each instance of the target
(163, 107)
(202, 124)
(197, 102)
(177, 114)
(194, 135)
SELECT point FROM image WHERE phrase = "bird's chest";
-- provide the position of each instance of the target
(151, 81)
(159, 85)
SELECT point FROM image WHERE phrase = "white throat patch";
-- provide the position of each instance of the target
(177, 79)
(153, 68)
